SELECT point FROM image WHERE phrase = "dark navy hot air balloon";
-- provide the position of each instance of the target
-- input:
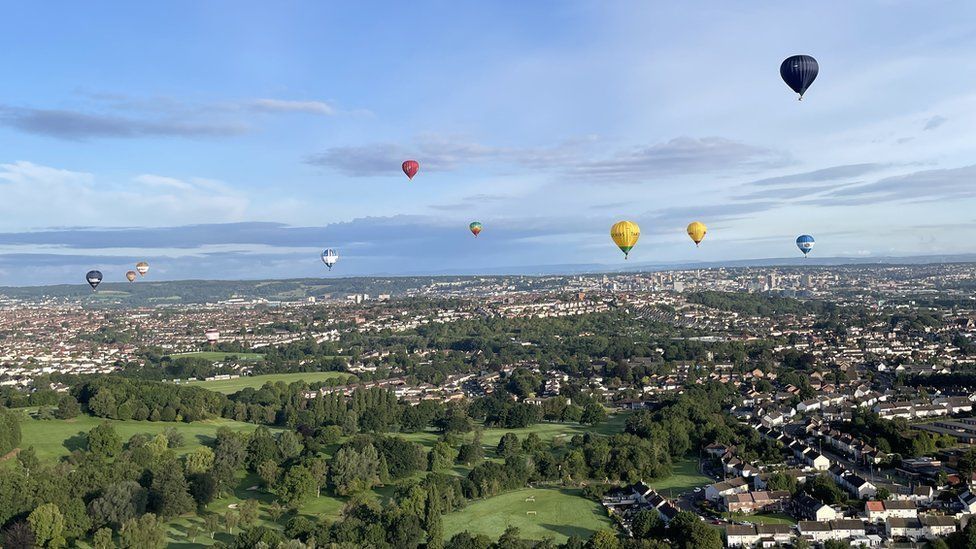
(805, 242)
(94, 278)
(799, 71)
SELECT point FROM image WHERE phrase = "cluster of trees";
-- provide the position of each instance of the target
(117, 397)
(759, 304)
(694, 418)
(894, 435)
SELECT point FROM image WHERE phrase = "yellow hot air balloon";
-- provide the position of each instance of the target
(130, 275)
(697, 230)
(625, 235)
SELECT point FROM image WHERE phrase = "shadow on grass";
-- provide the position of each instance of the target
(78, 441)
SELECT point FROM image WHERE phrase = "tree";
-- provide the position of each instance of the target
(28, 459)
(118, 503)
(145, 532)
(883, 494)
(433, 523)
(297, 485)
(509, 445)
(269, 472)
(103, 539)
(646, 523)
(593, 413)
(441, 456)
(198, 461)
(76, 520)
(103, 441)
(248, 510)
(203, 488)
(67, 408)
(211, 522)
(47, 523)
(230, 521)
(604, 539)
(169, 493)
(800, 543)
(275, 511)
(836, 544)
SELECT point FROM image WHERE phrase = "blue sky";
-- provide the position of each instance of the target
(237, 139)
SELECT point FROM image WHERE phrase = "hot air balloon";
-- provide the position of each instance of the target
(94, 278)
(805, 242)
(330, 257)
(411, 167)
(799, 71)
(475, 228)
(697, 230)
(625, 235)
(130, 275)
(213, 336)
(142, 267)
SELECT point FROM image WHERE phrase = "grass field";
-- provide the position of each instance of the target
(220, 357)
(58, 437)
(560, 513)
(228, 386)
(546, 431)
(685, 478)
(769, 518)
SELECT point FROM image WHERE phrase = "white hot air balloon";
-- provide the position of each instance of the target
(213, 336)
(330, 257)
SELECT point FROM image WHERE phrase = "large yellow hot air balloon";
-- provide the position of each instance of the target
(697, 230)
(625, 235)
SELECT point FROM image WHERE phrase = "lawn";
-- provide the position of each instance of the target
(217, 356)
(546, 431)
(685, 478)
(559, 514)
(228, 386)
(58, 437)
(769, 518)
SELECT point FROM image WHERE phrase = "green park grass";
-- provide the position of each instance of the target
(769, 518)
(217, 356)
(684, 478)
(546, 431)
(559, 514)
(54, 438)
(228, 386)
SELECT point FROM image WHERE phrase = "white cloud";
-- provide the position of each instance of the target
(285, 106)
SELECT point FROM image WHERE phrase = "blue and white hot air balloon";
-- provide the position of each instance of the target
(330, 257)
(805, 242)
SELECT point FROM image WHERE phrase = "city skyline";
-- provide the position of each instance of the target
(237, 143)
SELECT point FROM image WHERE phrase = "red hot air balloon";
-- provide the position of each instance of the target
(411, 167)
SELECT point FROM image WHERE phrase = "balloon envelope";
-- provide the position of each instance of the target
(799, 71)
(411, 167)
(94, 278)
(805, 243)
(697, 230)
(130, 275)
(475, 227)
(330, 257)
(212, 336)
(625, 235)
(142, 267)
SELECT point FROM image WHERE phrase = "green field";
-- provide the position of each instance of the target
(560, 513)
(228, 386)
(546, 431)
(220, 357)
(58, 437)
(769, 518)
(685, 478)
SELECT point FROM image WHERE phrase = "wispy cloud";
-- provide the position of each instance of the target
(120, 117)
(78, 125)
(286, 106)
(679, 155)
(935, 122)
(928, 185)
(833, 173)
